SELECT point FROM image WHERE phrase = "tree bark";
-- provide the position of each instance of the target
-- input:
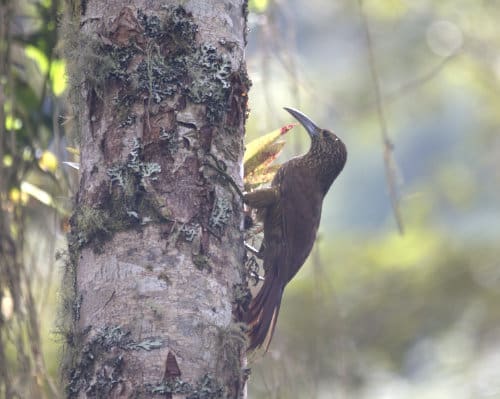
(155, 266)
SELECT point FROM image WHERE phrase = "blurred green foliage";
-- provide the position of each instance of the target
(372, 313)
(34, 196)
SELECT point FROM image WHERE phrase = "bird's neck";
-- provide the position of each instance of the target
(322, 167)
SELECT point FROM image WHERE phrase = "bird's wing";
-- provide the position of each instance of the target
(300, 202)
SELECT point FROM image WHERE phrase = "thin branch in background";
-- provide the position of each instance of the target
(389, 163)
(419, 81)
(287, 57)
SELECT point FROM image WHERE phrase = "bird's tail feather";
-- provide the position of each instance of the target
(263, 312)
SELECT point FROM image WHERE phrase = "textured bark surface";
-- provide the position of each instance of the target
(156, 248)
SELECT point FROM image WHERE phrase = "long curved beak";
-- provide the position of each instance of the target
(308, 124)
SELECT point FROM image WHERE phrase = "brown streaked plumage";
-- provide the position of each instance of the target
(291, 212)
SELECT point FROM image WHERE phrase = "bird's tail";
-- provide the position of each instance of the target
(263, 312)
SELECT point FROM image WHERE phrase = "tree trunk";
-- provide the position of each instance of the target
(155, 266)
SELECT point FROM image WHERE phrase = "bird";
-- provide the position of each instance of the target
(290, 210)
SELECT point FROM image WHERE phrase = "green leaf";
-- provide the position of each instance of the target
(261, 177)
(264, 150)
(268, 156)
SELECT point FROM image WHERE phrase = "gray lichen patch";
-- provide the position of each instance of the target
(140, 56)
(159, 78)
(133, 170)
(189, 231)
(210, 81)
(221, 213)
(99, 369)
(128, 121)
(199, 73)
(177, 27)
(207, 387)
(177, 64)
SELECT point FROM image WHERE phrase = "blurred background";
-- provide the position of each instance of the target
(400, 296)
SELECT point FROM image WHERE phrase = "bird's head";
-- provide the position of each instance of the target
(327, 151)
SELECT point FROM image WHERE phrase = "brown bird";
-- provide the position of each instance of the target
(290, 210)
